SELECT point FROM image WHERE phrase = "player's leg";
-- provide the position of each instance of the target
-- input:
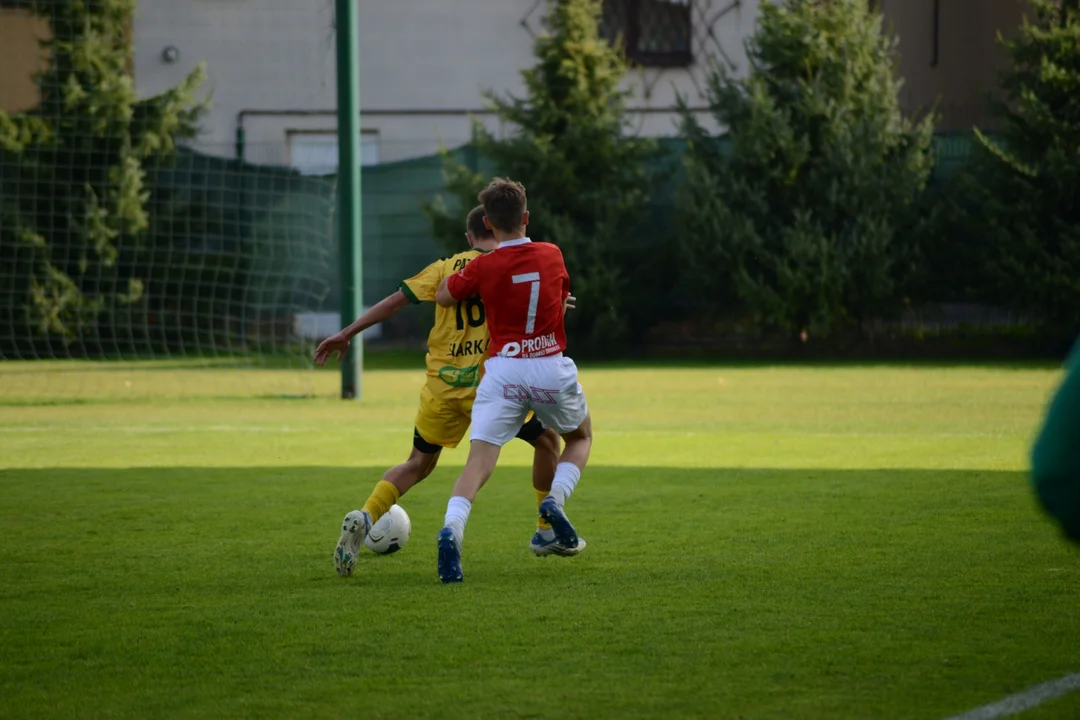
(478, 468)
(439, 424)
(395, 482)
(423, 459)
(496, 418)
(545, 442)
(572, 461)
(559, 402)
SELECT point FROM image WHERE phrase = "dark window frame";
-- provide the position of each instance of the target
(631, 36)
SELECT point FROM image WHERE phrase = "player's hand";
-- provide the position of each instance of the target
(568, 303)
(338, 343)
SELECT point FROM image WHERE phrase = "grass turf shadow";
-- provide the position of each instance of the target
(704, 592)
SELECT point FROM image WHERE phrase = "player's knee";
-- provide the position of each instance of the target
(423, 464)
(482, 458)
(583, 432)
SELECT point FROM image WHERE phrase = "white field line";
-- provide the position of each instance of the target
(159, 429)
(1023, 700)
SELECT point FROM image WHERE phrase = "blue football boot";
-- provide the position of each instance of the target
(554, 515)
(449, 557)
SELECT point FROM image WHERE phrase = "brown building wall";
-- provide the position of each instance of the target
(967, 61)
(20, 58)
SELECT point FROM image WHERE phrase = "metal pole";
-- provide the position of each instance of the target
(349, 240)
(241, 143)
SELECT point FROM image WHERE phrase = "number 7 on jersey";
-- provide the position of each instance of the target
(533, 279)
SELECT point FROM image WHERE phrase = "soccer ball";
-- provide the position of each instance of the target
(391, 532)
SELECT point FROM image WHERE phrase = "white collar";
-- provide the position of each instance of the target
(512, 243)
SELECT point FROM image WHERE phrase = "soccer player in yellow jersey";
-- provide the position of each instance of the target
(457, 346)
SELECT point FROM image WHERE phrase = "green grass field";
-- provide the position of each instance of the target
(764, 542)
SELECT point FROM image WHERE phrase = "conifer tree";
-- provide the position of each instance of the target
(796, 219)
(73, 193)
(570, 144)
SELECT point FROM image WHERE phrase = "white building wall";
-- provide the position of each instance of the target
(259, 54)
(426, 56)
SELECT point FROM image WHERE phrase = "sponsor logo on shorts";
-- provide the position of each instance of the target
(460, 377)
(531, 347)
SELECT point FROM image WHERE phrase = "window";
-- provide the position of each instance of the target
(653, 32)
(316, 152)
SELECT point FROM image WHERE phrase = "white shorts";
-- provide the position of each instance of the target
(512, 386)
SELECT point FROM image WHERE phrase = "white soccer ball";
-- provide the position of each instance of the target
(391, 532)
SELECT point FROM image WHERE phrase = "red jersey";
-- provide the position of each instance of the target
(523, 286)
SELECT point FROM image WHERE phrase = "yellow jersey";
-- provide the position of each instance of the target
(458, 341)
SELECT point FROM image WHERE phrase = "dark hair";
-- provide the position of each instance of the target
(474, 224)
(504, 204)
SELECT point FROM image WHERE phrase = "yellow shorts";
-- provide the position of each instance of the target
(443, 421)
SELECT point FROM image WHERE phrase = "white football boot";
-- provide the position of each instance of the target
(541, 547)
(354, 529)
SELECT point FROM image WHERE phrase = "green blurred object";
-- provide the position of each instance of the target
(1055, 459)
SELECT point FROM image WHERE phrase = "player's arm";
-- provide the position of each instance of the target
(381, 312)
(459, 286)
(340, 342)
(443, 296)
(418, 288)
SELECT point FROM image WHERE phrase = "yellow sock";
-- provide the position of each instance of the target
(382, 498)
(540, 524)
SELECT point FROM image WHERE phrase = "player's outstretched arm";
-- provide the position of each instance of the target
(340, 342)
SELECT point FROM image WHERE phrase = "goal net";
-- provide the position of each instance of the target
(151, 242)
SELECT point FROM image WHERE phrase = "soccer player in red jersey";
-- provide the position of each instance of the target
(523, 285)
(456, 348)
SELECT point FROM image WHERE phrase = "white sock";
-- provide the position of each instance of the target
(457, 514)
(566, 479)
(547, 534)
